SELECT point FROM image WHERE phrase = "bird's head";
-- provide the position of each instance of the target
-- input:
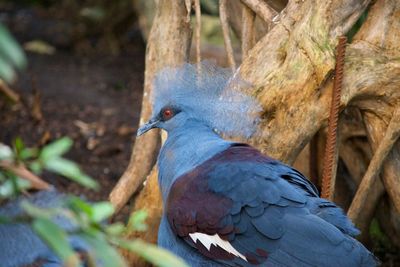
(205, 94)
(166, 119)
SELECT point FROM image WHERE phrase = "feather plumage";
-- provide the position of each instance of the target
(199, 198)
(217, 189)
(215, 96)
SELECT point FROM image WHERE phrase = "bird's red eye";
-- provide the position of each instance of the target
(167, 113)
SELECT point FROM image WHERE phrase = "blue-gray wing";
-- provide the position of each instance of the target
(318, 206)
(240, 197)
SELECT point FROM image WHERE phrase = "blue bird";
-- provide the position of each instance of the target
(225, 203)
(20, 246)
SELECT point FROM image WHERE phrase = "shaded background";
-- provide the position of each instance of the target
(85, 80)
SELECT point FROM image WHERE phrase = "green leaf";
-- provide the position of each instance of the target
(137, 221)
(6, 71)
(35, 211)
(152, 253)
(78, 205)
(103, 251)
(56, 149)
(36, 167)
(6, 152)
(115, 229)
(39, 47)
(70, 170)
(101, 211)
(57, 240)
(96, 212)
(18, 145)
(27, 153)
(10, 49)
(93, 13)
(10, 188)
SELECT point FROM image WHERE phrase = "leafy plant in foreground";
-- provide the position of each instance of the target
(11, 56)
(88, 220)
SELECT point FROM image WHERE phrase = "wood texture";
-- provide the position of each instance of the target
(392, 134)
(382, 32)
(149, 200)
(225, 32)
(168, 45)
(248, 37)
(197, 30)
(261, 8)
(290, 70)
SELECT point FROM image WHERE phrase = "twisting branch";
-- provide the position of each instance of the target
(248, 17)
(391, 136)
(21, 171)
(225, 31)
(262, 9)
(198, 29)
(331, 149)
(381, 16)
(4, 89)
(188, 5)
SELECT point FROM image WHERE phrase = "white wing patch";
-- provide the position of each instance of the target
(208, 240)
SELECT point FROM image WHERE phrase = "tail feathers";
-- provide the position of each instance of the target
(364, 256)
(370, 260)
(361, 258)
(333, 214)
(367, 259)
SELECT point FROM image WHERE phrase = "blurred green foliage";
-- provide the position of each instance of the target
(12, 57)
(381, 242)
(48, 158)
(89, 220)
(210, 7)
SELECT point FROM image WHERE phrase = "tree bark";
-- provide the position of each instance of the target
(392, 133)
(168, 45)
(382, 29)
(293, 62)
(290, 69)
(149, 200)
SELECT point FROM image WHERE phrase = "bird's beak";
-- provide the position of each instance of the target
(147, 126)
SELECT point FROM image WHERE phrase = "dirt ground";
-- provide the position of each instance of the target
(93, 100)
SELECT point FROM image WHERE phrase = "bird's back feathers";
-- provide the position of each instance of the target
(248, 200)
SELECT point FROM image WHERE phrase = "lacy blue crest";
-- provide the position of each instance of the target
(210, 94)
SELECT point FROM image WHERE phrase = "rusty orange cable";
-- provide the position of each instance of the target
(331, 143)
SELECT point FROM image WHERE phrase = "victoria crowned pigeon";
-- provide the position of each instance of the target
(225, 203)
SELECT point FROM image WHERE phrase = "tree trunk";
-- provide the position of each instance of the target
(290, 69)
(149, 200)
(168, 45)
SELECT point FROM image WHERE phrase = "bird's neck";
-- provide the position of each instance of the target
(184, 149)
